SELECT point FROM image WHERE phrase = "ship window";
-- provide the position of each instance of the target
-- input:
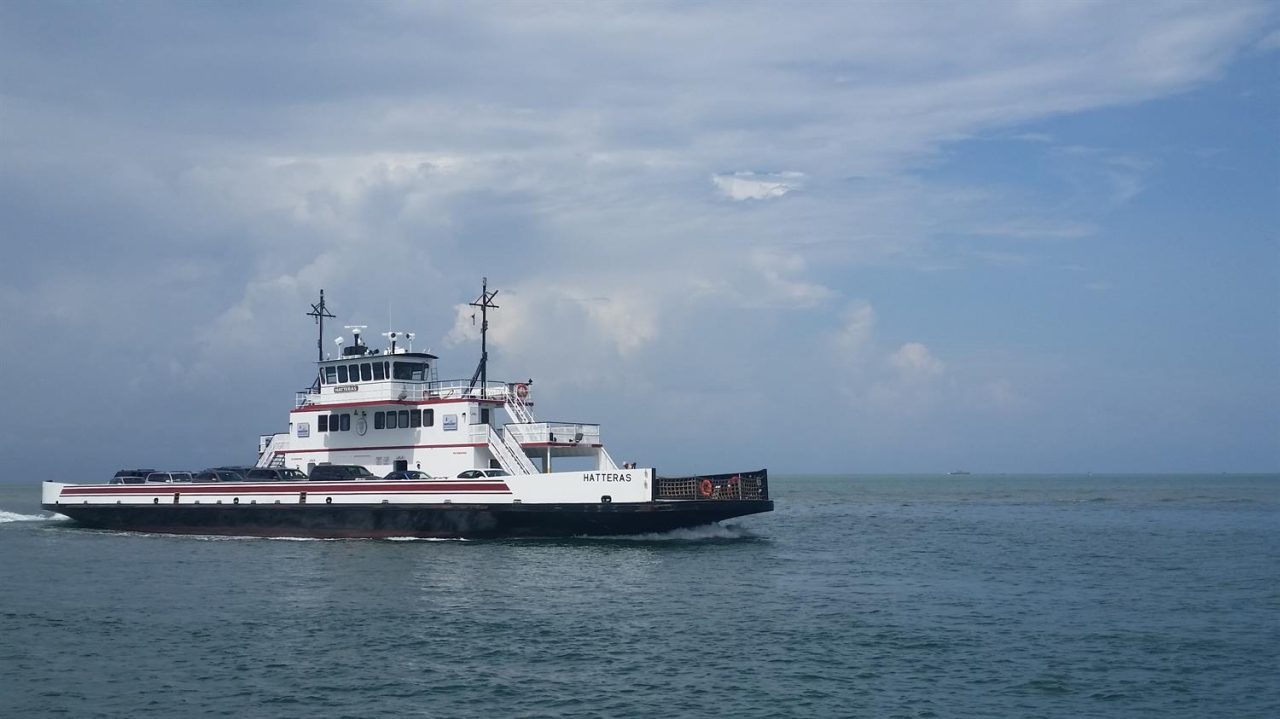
(404, 418)
(379, 370)
(330, 375)
(379, 419)
(428, 417)
(323, 423)
(391, 420)
(346, 423)
(415, 418)
(333, 423)
(342, 373)
(412, 371)
(366, 372)
(484, 415)
(355, 373)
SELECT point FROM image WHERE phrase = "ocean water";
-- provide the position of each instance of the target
(976, 596)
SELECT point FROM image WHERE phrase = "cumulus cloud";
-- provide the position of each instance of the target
(855, 332)
(914, 361)
(753, 186)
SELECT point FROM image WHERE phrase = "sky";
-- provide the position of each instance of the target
(816, 237)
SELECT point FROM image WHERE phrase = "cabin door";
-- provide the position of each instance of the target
(401, 465)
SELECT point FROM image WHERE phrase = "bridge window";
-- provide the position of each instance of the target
(355, 373)
(415, 418)
(411, 371)
(379, 419)
(342, 373)
(323, 424)
(428, 417)
(366, 372)
(330, 375)
(379, 370)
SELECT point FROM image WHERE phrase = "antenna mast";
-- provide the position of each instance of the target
(485, 303)
(319, 311)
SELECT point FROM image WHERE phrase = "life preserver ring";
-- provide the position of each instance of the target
(522, 391)
(705, 488)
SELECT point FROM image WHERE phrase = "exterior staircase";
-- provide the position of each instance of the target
(509, 453)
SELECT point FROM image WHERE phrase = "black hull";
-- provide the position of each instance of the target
(471, 521)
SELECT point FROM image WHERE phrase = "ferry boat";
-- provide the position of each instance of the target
(463, 458)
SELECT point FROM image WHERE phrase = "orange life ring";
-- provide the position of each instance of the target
(522, 391)
(705, 488)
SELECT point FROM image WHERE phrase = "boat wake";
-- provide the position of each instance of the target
(707, 532)
(6, 517)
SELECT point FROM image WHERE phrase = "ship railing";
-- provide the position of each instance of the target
(555, 433)
(462, 389)
(400, 390)
(737, 485)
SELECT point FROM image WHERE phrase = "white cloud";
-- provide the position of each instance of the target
(752, 186)
(855, 332)
(913, 361)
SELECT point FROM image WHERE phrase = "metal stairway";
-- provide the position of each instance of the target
(509, 453)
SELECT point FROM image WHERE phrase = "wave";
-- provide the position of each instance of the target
(6, 517)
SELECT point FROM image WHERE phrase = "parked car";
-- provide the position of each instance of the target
(337, 472)
(274, 474)
(408, 474)
(219, 475)
(481, 473)
(168, 477)
(131, 476)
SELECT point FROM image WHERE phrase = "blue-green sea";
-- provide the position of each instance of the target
(873, 596)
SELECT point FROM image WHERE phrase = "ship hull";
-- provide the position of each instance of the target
(470, 521)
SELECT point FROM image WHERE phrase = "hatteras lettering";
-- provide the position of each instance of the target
(606, 476)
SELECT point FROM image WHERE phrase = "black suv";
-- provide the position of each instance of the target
(264, 474)
(220, 475)
(332, 472)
